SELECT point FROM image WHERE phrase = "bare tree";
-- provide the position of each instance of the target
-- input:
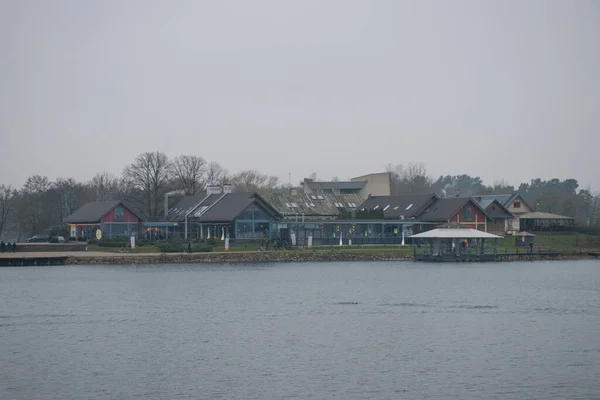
(215, 174)
(189, 173)
(254, 181)
(104, 186)
(63, 197)
(148, 177)
(6, 204)
(410, 178)
(31, 211)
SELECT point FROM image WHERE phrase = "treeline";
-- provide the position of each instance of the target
(41, 204)
(555, 196)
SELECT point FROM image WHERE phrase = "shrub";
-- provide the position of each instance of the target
(181, 248)
(113, 244)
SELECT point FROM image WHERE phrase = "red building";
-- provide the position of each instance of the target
(459, 211)
(113, 218)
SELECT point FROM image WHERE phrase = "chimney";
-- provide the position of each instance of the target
(294, 192)
(457, 192)
(227, 188)
(213, 189)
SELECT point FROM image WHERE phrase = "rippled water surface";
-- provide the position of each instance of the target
(302, 331)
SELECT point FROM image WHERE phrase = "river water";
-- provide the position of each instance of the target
(381, 330)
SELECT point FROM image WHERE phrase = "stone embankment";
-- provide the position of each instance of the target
(237, 257)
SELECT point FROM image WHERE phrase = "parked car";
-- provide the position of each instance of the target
(38, 239)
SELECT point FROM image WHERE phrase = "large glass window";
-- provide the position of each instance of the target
(252, 213)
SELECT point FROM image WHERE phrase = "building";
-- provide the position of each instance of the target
(364, 186)
(461, 212)
(513, 203)
(427, 208)
(378, 184)
(540, 221)
(406, 206)
(217, 214)
(113, 218)
(328, 206)
(502, 218)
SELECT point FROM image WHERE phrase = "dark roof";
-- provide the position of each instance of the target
(313, 205)
(504, 199)
(340, 185)
(444, 209)
(190, 205)
(227, 207)
(406, 205)
(496, 210)
(92, 212)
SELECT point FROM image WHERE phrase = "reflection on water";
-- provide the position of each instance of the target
(298, 331)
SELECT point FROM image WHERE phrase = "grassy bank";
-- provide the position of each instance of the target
(543, 242)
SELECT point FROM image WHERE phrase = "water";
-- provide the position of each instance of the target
(302, 331)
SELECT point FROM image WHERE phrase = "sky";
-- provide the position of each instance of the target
(504, 90)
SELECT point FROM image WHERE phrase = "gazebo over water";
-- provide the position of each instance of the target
(449, 244)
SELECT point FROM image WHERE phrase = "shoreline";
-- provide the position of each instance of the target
(100, 258)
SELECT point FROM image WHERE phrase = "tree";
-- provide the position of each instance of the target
(62, 198)
(148, 179)
(411, 178)
(254, 181)
(103, 187)
(6, 204)
(189, 173)
(31, 211)
(216, 175)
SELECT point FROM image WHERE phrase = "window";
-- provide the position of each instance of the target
(467, 214)
(294, 205)
(320, 197)
(119, 214)
(397, 207)
(386, 207)
(312, 204)
(517, 204)
(288, 205)
(409, 206)
(312, 196)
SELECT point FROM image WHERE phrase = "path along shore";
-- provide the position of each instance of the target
(96, 258)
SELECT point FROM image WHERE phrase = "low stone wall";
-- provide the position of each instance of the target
(51, 247)
(239, 257)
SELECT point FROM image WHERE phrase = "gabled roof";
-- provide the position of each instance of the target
(313, 205)
(504, 199)
(454, 233)
(93, 212)
(230, 205)
(495, 209)
(190, 205)
(444, 209)
(397, 206)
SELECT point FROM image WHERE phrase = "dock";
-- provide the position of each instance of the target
(33, 261)
(488, 257)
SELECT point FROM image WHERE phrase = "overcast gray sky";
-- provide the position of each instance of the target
(500, 89)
